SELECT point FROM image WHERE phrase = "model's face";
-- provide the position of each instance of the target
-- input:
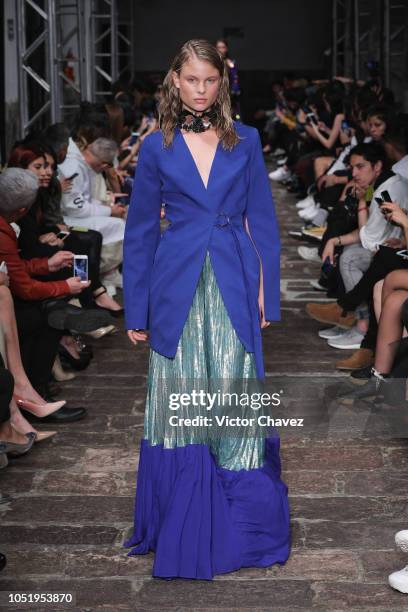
(198, 84)
(376, 127)
(364, 172)
(222, 48)
(49, 171)
(38, 167)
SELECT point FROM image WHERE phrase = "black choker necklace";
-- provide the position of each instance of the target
(190, 122)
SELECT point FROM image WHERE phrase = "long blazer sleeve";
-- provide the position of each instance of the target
(160, 274)
(142, 235)
(264, 230)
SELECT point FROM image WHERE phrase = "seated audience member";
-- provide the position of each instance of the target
(23, 393)
(35, 300)
(12, 442)
(375, 232)
(81, 208)
(40, 239)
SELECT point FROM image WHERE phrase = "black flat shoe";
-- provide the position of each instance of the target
(63, 415)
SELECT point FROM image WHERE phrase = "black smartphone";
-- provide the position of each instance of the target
(327, 266)
(71, 178)
(386, 196)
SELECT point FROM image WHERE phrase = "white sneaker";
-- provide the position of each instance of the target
(399, 580)
(309, 213)
(317, 286)
(306, 202)
(350, 340)
(332, 332)
(278, 152)
(309, 254)
(281, 174)
(401, 540)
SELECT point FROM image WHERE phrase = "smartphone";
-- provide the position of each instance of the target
(71, 178)
(62, 235)
(133, 138)
(386, 196)
(3, 267)
(327, 266)
(311, 118)
(81, 267)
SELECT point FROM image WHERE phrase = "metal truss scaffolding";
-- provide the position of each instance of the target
(111, 43)
(366, 35)
(35, 84)
(395, 50)
(342, 37)
(366, 30)
(69, 50)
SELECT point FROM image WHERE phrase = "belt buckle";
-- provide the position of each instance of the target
(226, 220)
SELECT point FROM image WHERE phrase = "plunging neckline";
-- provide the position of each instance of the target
(194, 161)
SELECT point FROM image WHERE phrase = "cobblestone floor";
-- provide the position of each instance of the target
(73, 495)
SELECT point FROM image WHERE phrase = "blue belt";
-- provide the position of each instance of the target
(224, 220)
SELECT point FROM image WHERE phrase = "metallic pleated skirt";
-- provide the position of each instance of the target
(209, 355)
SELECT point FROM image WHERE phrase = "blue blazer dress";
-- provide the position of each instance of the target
(161, 272)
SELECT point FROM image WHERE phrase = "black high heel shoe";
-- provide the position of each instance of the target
(76, 364)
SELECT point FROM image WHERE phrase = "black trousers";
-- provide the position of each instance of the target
(6, 391)
(384, 261)
(38, 342)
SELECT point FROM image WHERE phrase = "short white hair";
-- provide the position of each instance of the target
(104, 149)
(18, 189)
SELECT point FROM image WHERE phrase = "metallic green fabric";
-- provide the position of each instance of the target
(209, 351)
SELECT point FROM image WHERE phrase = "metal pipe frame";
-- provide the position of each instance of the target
(27, 73)
(94, 22)
(395, 42)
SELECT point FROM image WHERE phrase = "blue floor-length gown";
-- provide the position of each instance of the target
(206, 504)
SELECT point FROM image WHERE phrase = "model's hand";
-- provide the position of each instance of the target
(137, 336)
(264, 323)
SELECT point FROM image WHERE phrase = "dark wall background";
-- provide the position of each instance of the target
(267, 38)
(270, 35)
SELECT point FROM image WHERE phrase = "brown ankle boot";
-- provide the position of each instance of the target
(360, 359)
(331, 314)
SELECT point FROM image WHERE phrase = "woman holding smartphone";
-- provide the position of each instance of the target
(201, 293)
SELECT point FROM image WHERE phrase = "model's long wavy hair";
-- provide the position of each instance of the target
(171, 104)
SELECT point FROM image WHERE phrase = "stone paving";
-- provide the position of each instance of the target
(73, 495)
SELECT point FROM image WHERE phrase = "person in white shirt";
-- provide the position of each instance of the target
(81, 209)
